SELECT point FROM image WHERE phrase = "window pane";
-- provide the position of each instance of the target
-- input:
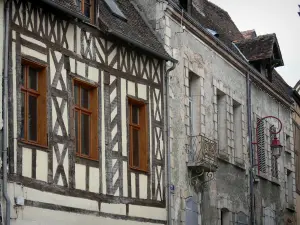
(22, 132)
(135, 148)
(76, 131)
(85, 134)
(22, 78)
(84, 98)
(32, 118)
(76, 94)
(135, 114)
(79, 4)
(32, 79)
(87, 10)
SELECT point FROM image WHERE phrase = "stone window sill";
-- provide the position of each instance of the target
(226, 159)
(268, 178)
(290, 207)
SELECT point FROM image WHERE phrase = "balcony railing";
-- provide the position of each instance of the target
(202, 152)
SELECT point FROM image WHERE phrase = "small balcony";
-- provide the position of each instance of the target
(202, 154)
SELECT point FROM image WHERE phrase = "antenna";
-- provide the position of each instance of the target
(182, 26)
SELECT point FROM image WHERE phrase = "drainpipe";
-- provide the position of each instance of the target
(5, 115)
(167, 82)
(251, 155)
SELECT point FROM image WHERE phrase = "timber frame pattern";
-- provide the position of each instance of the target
(76, 50)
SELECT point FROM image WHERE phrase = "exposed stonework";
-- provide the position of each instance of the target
(229, 191)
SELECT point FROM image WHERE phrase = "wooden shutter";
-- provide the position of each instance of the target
(261, 154)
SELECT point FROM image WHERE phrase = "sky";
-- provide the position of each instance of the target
(271, 16)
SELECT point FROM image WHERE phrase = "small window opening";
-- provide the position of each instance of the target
(237, 122)
(222, 121)
(87, 8)
(33, 84)
(194, 104)
(86, 117)
(287, 142)
(290, 187)
(138, 133)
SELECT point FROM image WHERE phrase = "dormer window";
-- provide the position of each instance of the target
(86, 7)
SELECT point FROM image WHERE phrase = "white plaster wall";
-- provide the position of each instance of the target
(33, 215)
(41, 165)
(147, 212)
(36, 216)
(26, 162)
(80, 172)
(94, 180)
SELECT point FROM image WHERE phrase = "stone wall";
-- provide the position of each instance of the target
(230, 188)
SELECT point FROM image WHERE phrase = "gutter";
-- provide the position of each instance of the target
(66, 10)
(142, 46)
(167, 83)
(251, 153)
(5, 115)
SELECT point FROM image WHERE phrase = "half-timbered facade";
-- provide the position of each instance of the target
(86, 114)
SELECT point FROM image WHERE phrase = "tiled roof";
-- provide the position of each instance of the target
(134, 28)
(70, 4)
(217, 19)
(249, 34)
(278, 84)
(257, 48)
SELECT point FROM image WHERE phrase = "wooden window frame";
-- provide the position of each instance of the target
(92, 9)
(41, 95)
(93, 113)
(143, 135)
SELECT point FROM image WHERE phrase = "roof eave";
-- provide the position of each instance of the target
(279, 51)
(141, 46)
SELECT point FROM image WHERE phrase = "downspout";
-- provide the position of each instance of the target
(167, 82)
(251, 155)
(5, 114)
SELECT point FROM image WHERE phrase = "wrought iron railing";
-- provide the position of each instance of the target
(202, 150)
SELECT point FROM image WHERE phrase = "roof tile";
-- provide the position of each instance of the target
(134, 28)
(257, 48)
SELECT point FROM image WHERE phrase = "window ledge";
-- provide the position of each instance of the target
(240, 165)
(86, 161)
(290, 207)
(32, 144)
(132, 169)
(266, 177)
(223, 156)
(226, 159)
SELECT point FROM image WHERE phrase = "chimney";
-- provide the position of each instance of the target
(198, 5)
